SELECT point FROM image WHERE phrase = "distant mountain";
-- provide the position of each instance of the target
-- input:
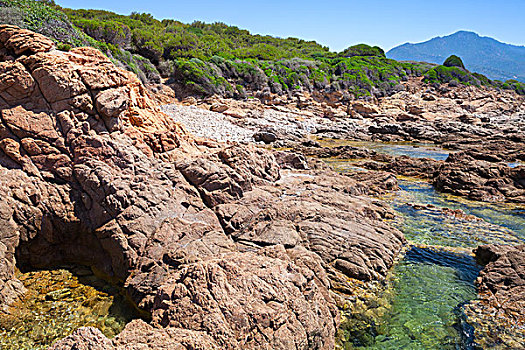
(480, 54)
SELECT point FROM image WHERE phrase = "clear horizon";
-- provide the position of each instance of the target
(340, 24)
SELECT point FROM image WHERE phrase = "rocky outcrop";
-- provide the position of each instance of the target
(257, 301)
(65, 179)
(317, 213)
(214, 241)
(497, 315)
(461, 174)
(471, 173)
(281, 299)
(85, 338)
(464, 108)
(137, 336)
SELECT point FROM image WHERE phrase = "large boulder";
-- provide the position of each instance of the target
(23, 41)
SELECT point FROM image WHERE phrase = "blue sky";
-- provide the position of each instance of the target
(339, 24)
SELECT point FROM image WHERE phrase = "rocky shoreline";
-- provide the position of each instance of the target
(498, 314)
(223, 244)
(484, 141)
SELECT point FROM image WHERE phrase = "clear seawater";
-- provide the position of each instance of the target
(414, 150)
(430, 284)
(499, 224)
(59, 301)
(429, 289)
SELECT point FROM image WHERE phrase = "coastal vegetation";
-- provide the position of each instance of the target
(453, 71)
(454, 61)
(205, 59)
(363, 50)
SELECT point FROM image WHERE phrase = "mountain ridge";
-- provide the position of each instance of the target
(496, 59)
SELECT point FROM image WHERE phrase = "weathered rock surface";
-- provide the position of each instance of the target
(461, 174)
(497, 315)
(471, 173)
(369, 159)
(276, 296)
(85, 338)
(220, 248)
(317, 213)
(503, 278)
(137, 336)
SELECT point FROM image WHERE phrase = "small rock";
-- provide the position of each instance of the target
(428, 97)
(416, 110)
(218, 107)
(264, 136)
(189, 101)
(290, 160)
(58, 294)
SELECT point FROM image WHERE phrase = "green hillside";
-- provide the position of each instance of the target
(205, 59)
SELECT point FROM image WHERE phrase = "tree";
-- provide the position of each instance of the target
(454, 61)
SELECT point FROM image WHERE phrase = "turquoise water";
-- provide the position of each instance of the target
(429, 289)
(430, 285)
(414, 150)
(499, 224)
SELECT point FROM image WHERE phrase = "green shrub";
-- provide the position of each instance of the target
(201, 77)
(454, 61)
(63, 47)
(12, 15)
(44, 18)
(442, 74)
(483, 79)
(363, 50)
(517, 86)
